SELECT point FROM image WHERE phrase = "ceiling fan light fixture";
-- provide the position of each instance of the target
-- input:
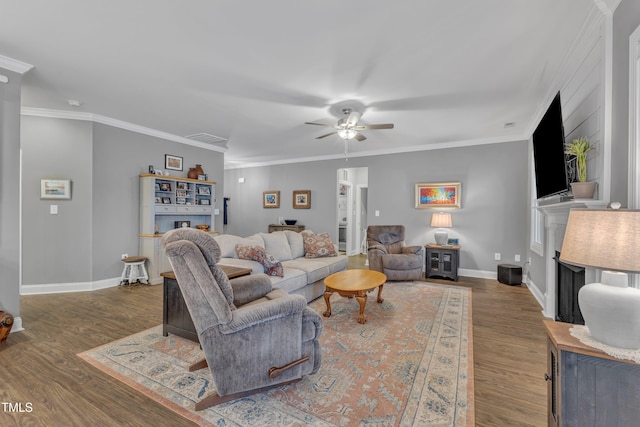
(347, 133)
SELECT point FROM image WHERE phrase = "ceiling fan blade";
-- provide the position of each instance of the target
(360, 137)
(326, 135)
(380, 126)
(317, 124)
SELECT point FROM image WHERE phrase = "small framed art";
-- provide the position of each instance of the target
(55, 189)
(438, 195)
(271, 199)
(301, 199)
(172, 162)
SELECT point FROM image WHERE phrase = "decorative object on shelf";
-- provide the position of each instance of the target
(290, 221)
(166, 200)
(55, 189)
(6, 323)
(152, 170)
(204, 191)
(301, 199)
(165, 186)
(580, 148)
(271, 199)
(202, 227)
(182, 224)
(172, 162)
(438, 195)
(453, 241)
(441, 220)
(607, 239)
(159, 172)
(194, 173)
(202, 177)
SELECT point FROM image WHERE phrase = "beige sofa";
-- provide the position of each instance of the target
(302, 276)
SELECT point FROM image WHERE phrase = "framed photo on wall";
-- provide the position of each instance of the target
(55, 189)
(301, 199)
(438, 195)
(172, 162)
(271, 199)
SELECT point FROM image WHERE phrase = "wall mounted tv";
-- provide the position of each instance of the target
(548, 153)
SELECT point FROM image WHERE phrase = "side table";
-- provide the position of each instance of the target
(442, 261)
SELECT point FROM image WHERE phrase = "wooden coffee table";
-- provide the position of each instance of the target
(354, 283)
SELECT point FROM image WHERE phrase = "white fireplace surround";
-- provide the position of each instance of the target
(555, 224)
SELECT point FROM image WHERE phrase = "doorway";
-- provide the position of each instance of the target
(351, 215)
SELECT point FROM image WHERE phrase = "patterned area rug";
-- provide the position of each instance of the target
(411, 364)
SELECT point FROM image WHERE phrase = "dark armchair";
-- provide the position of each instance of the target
(253, 336)
(388, 254)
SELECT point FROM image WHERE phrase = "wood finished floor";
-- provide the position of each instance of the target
(40, 366)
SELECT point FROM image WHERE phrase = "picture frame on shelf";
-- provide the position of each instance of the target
(182, 186)
(166, 200)
(172, 162)
(204, 191)
(438, 195)
(202, 177)
(157, 187)
(152, 169)
(182, 224)
(204, 202)
(181, 201)
(165, 186)
(301, 199)
(159, 172)
(181, 193)
(55, 189)
(159, 200)
(453, 242)
(271, 199)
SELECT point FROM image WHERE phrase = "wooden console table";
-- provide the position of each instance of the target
(175, 314)
(586, 386)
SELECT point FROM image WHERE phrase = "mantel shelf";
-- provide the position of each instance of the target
(565, 207)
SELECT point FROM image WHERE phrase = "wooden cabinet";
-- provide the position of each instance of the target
(586, 386)
(166, 203)
(442, 261)
(278, 227)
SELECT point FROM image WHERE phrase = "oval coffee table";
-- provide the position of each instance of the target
(353, 283)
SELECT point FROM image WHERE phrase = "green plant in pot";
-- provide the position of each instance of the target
(579, 148)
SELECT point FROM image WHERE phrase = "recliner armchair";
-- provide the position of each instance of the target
(388, 254)
(253, 336)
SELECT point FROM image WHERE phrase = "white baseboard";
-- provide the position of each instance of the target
(480, 274)
(55, 288)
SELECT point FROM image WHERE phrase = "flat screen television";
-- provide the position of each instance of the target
(548, 153)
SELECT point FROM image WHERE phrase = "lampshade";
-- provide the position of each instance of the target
(441, 220)
(603, 238)
(608, 239)
(347, 133)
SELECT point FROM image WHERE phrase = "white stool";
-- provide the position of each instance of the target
(134, 270)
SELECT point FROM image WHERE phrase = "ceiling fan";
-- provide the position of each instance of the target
(348, 127)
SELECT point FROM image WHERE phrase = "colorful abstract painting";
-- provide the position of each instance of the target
(438, 195)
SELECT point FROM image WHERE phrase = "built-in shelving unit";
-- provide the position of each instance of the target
(168, 202)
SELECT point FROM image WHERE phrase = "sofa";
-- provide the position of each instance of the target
(303, 270)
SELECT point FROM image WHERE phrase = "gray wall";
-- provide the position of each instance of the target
(10, 193)
(493, 217)
(83, 243)
(625, 20)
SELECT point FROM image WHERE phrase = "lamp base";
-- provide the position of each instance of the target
(611, 311)
(442, 237)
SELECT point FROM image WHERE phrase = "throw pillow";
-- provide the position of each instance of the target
(271, 265)
(318, 245)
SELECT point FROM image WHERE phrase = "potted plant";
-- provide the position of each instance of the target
(582, 189)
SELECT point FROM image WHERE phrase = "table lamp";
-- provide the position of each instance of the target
(607, 239)
(441, 220)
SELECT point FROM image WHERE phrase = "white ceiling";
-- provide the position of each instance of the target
(252, 72)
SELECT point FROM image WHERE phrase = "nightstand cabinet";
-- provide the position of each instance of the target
(586, 386)
(442, 261)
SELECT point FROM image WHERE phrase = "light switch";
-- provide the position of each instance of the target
(377, 213)
(216, 211)
(53, 209)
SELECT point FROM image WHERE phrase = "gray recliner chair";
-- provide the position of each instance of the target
(388, 254)
(253, 336)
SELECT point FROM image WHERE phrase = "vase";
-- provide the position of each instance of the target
(194, 172)
(583, 190)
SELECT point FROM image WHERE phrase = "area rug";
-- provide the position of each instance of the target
(411, 364)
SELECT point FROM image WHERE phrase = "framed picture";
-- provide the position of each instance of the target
(202, 177)
(172, 162)
(55, 189)
(182, 224)
(438, 195)
(158, 199)
(271, 199)
(157, 187)
(181, 193)
(158, 172)
(165, 186)
(166, 200)
(204, 201)
(182, 186)
(204, 190)
(301, 199)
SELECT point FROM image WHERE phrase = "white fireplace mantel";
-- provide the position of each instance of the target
(556, 218)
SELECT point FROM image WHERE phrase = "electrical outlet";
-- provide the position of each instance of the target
(497, 256)
(123, 256)
(517, 258)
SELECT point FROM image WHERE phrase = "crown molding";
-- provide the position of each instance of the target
(338, 156)
(96, 118)
(14, 65)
